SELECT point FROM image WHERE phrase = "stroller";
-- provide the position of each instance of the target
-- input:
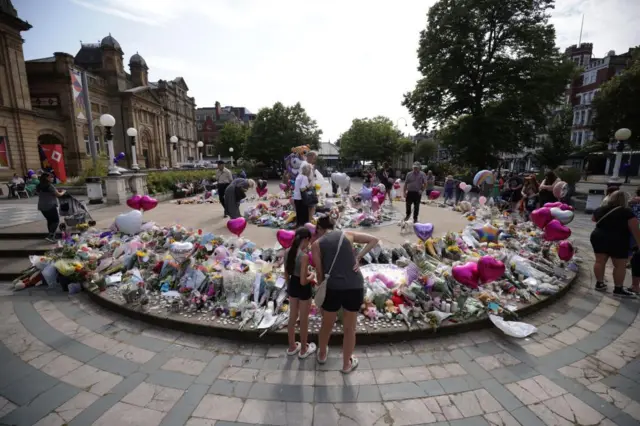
(74, 212)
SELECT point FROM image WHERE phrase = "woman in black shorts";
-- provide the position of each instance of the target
(345, 286)
(296, 272)
(615, 224)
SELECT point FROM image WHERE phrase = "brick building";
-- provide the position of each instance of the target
(38, 105)
(211, 120)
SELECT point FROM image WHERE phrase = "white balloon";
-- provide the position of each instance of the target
(341, 179)
(467, 188)
(129, 223)
(564, 216)
(393, 194)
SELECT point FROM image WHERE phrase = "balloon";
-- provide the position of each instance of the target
(462, 186)
(556, 231)
(283, 186)
(382, 188)
(30, 173)
(381, 197)
(340, 179)
(565, 250)
(261, 191)
(424, 231)
(482, 200)
(134, 202)
(130, 222)
(396, 185)
(311, 227)
(220, 253)
(285, 237)
(375, 204)
(467, 189)
(434, 195)
(541, 217)
(236, 226)
(394, 194)
(561, 206)
(487, 233)
(121, 156)
(483, 176)
(374, 191)
(365, 193)
(262, 184)
(181, 251)
(148, 203)
(490, 269)
(564, 216)
(311, 260)
(560, 190)
(466, 274)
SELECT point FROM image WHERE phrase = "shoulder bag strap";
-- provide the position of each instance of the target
(607, 214)
(337, 253)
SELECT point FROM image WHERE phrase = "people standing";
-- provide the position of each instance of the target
(546, 188)
(449, 187)
(302, 183)
(626, 171)
(224, 178)
(311, 159)
(235, 192)
(431, 182)
(334, 256)
(384, 176)
(414, 184)
(615, 224)
(48, 204)
(515, 185)
(529, 195)
(296, 273)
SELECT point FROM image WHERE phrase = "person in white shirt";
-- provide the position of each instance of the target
(15, 181)
(312, 157)
(301, 184)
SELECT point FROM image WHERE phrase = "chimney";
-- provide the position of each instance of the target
(217, 110)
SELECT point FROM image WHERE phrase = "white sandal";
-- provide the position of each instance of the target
(353, 366)
(295, 351)
(322, 361)
(311, 348)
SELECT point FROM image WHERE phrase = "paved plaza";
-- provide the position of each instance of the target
(65, 361)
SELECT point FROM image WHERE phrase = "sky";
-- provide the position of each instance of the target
(341, 59)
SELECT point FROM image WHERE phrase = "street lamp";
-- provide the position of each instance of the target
(231, 152)
(174, 143)
(200, 145)
(621, 136)
(132, 133)
(107, 121)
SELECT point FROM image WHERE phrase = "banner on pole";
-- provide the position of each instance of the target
(77, 90)
(52, 158)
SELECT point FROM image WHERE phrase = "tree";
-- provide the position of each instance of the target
(374, 139)
(233, 135)
(556, 146)
(278, 129)
(616, 105)
(489, 69)
(426, 150)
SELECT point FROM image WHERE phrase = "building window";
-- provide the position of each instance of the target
(199, 126)
(86, 144)
(579, 140)
(573, 137)
(209, 150)
(4, 153)
(576, 117)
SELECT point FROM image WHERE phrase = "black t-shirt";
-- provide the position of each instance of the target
(514, 182)
(616, 223)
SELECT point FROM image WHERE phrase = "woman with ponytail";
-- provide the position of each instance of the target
(296, 272)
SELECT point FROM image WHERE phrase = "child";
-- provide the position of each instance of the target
(299, 290)
(529, 196)
(449, 186)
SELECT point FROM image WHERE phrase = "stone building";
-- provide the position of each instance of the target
(40, 106)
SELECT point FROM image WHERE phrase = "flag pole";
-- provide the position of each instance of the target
(87, 108)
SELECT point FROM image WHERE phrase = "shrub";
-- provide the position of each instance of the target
(165, 181)
(571, 175)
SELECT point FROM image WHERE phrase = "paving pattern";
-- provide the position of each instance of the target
(65, 361)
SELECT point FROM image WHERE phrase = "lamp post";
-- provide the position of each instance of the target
(174, 143)
(200, 145)
(231, 152)
(621, 136)
(107, 121)
(132, 133)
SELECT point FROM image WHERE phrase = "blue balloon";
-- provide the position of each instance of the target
(366, 193)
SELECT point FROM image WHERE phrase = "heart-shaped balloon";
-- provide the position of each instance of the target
(558, 204)
(181, 251)
(236, 226)
(375, 204)
(487, 233)
(467, 189)
(220, 253)
(490, 269)
(148, 203)
(134, 202)
(424, 231)
(560, 190)
(466, 274)
(381, 197)
(564, 216)
(462, 186)
(261, 191)
(396, 185)
(434, 195)
(556, 231)
(541, 217)
(283, 186)
(311, 227)
(285, 237)
(341, 179)
(262, 184)
(565, 250)
(130, 222)
(366, 193)
(374, 191)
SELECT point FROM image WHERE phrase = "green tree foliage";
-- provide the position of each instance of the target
(373, 139)
(278, 129)
(617, 104)
(489, 69)
(426, 150)
(556, 146)
(233, 135)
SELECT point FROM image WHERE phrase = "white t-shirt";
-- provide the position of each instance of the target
(301, 182)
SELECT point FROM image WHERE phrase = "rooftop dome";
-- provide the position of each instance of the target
(109, 41)
(137, 60)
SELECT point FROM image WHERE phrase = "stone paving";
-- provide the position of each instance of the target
(65, 361)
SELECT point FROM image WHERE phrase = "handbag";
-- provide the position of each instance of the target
(309, 197)
(321, 291)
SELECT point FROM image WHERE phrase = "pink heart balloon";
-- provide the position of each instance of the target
(541, 217)
(285, 237)
(134, 202)
(466, 274)
(565, 251)
(381, 197)
(261, 192)
(311, 227)
(283, 186)
(236, 226)
(434, 195)
(556, 231)
(554, 204)
(490, 269)
(148, 203)
(375, 191)
(566, 207)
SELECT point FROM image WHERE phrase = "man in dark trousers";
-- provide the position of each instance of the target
(414, 185)
(224, 178)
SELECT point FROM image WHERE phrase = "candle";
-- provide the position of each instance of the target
(454, 307)
(448, 307)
